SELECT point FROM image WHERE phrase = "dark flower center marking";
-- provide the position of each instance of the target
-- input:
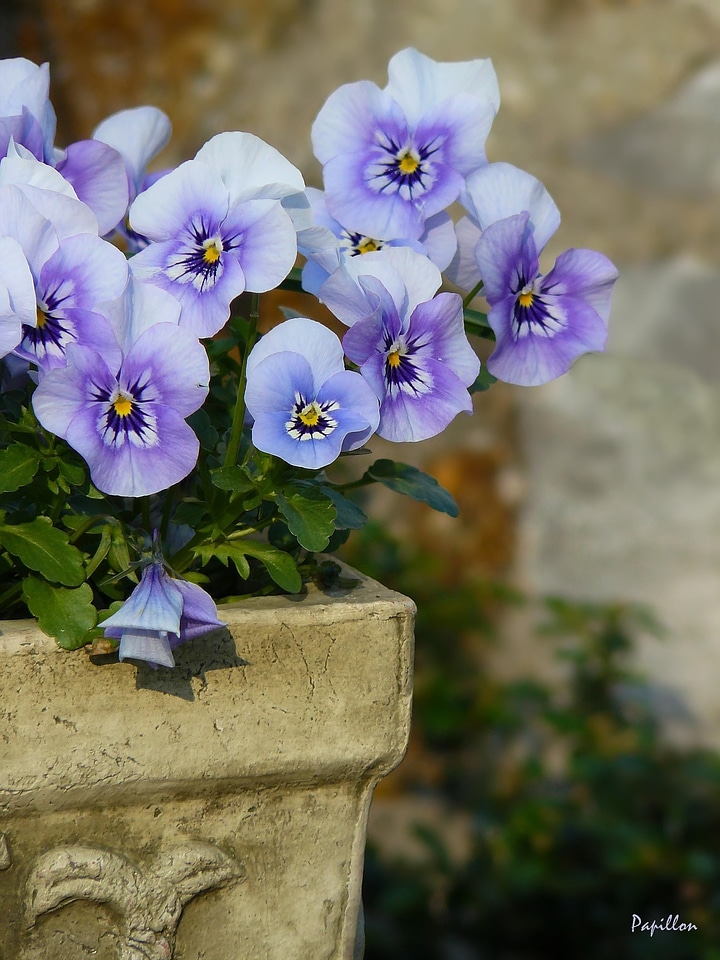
(51, 334)
(310, 419)
(532, 314)
(405, 168)
(125, 416)
(200, 262)
(358, 244)
(403, 373)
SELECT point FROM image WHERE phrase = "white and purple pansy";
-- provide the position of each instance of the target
(95, 170)
(410, 344)
(307, 408)
(542, 323)
(327, 245)
(127, 419)
(213, 237)
(393, 158)
(55, 281)
(161, 613)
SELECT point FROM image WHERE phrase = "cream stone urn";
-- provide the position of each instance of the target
(213, 811)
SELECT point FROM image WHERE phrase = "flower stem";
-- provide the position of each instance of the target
(236, 430)
(473, 293)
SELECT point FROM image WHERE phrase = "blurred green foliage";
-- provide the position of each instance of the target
(581, 813)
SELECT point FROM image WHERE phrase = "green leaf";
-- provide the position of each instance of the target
(403, 478)
(73, 472)
(310, 515)
(66, 615)
(484, 381)
(230, 550)
(349, 515)
(476, 323)
(18, 465)
(232, 478)
(45, 549)
(279, 565)
(204, 430)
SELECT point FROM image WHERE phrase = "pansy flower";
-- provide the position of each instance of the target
(393, 158)
(410, 344)
(95, 170)
(161, 613)
(542, 323)
(127, 419)
(218, 227)
(327, 245)
(307, 408)
(55, 275)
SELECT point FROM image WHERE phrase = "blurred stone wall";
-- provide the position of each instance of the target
(601, 485)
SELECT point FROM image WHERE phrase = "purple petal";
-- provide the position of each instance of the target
(199, 613)
(166, 455)
(437, 330)
(85, 271)
(63, 393)
(205, 309)
(438, 240)
(586, 274)
(265, 244)
(412, 416)
(506, 257)
(314, 341)
(349, 118)
(191, 194)
(173, 363)
(156, 603)
(153, 648)
(459, 126)
(97, 174)
(272, 385)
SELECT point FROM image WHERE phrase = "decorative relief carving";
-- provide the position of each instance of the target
(4, 852)
(149, 899)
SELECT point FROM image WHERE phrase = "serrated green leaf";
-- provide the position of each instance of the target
(349, 515)
(224, 552)
(280, 565)
(44, 549)
(18, 465)
(310, 515)
(66, 615)
(231, 478)
(412, 482)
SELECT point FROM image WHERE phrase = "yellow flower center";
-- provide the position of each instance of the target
(123, 406)
(368, 245)
(41, 318)
(310, 414)
(213, 248)
(408, 162)
(525, 299)
(393, 358)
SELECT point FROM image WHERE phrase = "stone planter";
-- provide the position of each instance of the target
(214, 811)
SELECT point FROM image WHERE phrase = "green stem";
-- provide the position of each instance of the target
(84, 527)
(236, 430)
(473, 293)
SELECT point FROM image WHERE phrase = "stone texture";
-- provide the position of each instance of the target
(221, 805)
